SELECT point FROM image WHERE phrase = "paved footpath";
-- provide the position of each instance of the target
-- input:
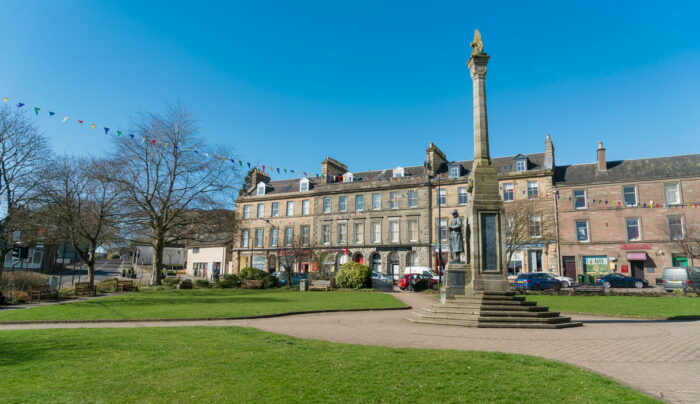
(661, 358)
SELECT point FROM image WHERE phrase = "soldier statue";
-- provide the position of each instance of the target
(456, 239)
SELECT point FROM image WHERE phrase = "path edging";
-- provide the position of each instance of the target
(147, 320)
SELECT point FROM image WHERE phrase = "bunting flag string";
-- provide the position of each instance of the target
(265, 167)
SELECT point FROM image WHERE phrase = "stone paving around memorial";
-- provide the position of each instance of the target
(661, 358)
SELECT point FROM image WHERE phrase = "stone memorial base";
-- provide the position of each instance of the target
(455, 281)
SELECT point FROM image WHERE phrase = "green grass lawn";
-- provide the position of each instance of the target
(672, 306)
(203, 303)
(239, 365)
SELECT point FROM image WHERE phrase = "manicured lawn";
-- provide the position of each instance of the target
(239, 365)
(672, 306)
(203, 303)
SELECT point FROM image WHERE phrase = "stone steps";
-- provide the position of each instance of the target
(534, 326)
(533, 320)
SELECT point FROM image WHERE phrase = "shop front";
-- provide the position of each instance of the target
(596, 265)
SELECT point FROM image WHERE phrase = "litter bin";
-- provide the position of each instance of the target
(582, 279)
(303, 285)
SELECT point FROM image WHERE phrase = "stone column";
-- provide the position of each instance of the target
(477, 66)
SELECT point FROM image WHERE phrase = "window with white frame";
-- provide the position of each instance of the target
(393, 200)
(630, 195)
(303, 185)
(288, 236)
(441, 197)
(675, 227)
(305, 207)
(359, 233)
(258, 237)
(376, 201)
(342, 232)
(261, 210)
(261, 188)
(244, 237)
(634, 229)
(582, 230)
(580, 201)
(508, 192)
(342, 203)
(672, 193)
(412, 230)
(442, 229)
(412, 197)
(376, 232)
(290, 208)
(326, 205)
(274, 233)
(454, 171)
(347, 177)
(398, 172)
(304, 235)
(394, 230)
(533, 190)
(326, 234)
(246, 211)
(275, 207)
(535, 226)
(521, 165)
(359, 203)
(462, 196)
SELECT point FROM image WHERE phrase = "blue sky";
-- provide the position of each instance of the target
(369, 83)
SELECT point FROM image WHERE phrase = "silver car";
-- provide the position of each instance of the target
(681, 278)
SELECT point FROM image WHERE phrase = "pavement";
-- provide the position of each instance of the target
(660, 358)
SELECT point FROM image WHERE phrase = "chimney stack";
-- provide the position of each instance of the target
(257, 176)
(435, 159)
(548, 153)
(332, 168)
(602, 164)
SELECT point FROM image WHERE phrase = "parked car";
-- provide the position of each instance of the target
(565, 280)
(405, 281)
(681, 278)
(616, 280)
(377, 276)
(422, 271)
(537, 281)
(296, 277)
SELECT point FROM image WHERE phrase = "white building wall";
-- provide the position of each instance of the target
(208, 256)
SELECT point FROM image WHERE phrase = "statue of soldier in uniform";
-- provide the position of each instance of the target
(456, 239)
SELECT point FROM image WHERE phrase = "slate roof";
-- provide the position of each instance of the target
(502, 164)
(630, 170)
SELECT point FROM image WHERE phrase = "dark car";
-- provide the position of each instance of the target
(536, 281)
(616, 280)
(420, 282)
(296, 277)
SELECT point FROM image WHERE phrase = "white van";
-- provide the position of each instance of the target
(681, 278)
(421, 271)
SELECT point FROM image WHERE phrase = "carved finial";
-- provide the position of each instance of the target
(477, 45)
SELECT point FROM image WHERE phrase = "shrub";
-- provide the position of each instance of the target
(353, 275)
(269, 281)
(201, 283)
(229, 281)
(108, 285)
(171, 282)
(22, 280)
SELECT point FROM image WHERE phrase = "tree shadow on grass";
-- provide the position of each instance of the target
(678, 319)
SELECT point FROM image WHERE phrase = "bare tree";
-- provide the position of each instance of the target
(293, 252)
(684, 233)
(170, 182)
(85, 207)
(527, 221)
(23, 151)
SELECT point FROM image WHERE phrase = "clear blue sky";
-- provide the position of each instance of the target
(369, 83)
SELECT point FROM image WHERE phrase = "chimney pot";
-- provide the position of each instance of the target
(602, 163)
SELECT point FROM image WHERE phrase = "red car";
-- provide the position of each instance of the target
(405, 281)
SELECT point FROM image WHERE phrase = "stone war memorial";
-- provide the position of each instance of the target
(476, 292)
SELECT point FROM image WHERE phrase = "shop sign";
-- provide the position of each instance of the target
(635, 247)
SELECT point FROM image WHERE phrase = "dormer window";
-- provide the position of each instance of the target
(520, 163)
(347, 177)
(398, 172)
(261, 189)
(455, 170)
(303, 185)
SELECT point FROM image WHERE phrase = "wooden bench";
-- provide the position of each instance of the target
(593, 289)
(84, 288)
(42, 292)
(253, 284)
(320, 285)
(126, 286)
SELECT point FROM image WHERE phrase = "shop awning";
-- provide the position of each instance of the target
(637, 256)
